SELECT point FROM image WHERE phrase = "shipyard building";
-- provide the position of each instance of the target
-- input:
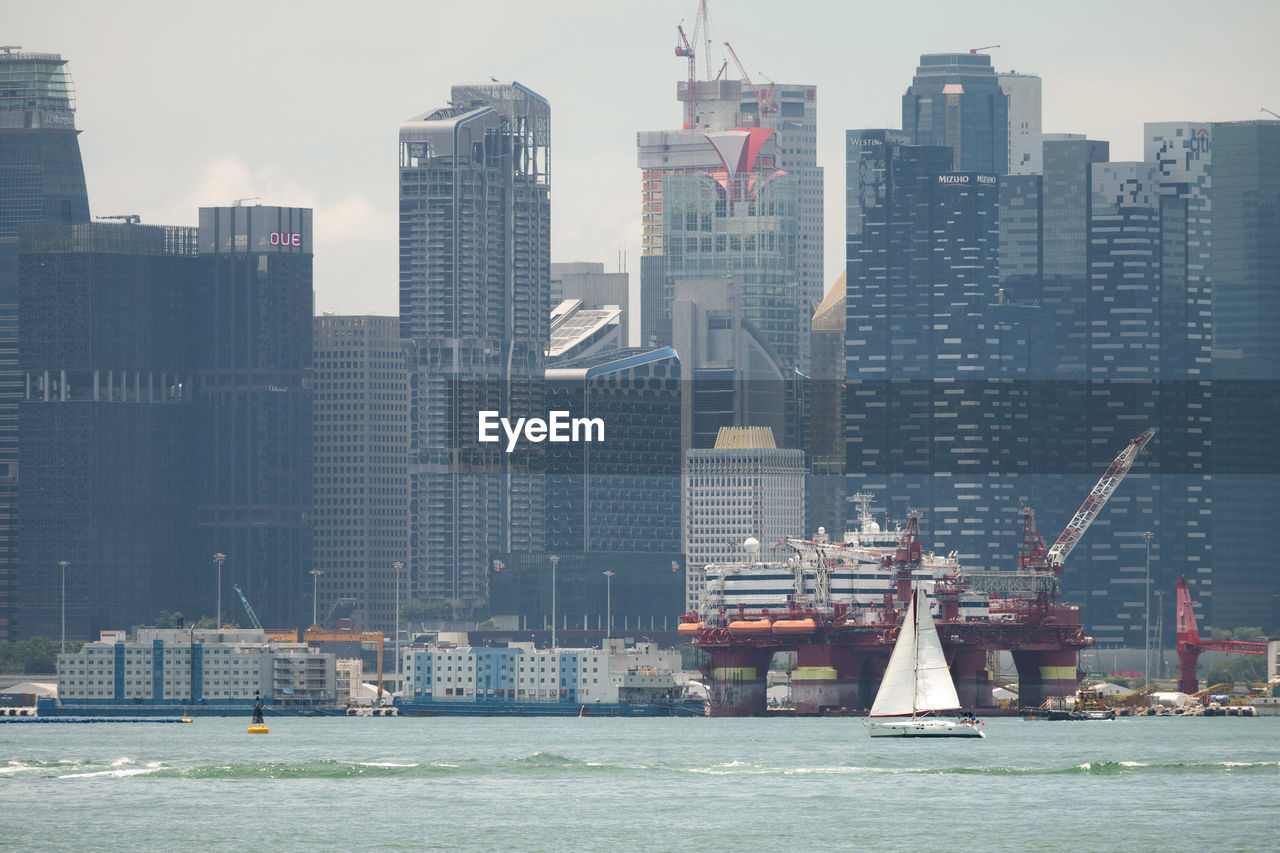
(193, 668)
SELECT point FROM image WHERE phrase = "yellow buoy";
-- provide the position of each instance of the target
(257, 730)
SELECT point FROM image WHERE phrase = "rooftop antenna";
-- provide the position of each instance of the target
(240, 201)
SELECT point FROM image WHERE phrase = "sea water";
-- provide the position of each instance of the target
(1148, 783)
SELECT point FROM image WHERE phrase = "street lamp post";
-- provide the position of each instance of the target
(608, 604)
(555, 559)
(1146, 615)
(62, 564)
(399, 567)
(315, 596)
(218, 559)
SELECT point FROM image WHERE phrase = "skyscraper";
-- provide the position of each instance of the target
(741, 222)
(474, 308)
(361, 516)
(925, 336)
(255, 374)
(1023, 91)
(955, 100)
(110, 443)
(723, 105)
(1245, 198)
(41, 180)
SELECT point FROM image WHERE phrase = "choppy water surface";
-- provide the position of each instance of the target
(648, 784)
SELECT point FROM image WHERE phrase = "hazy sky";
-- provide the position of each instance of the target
(185, 104)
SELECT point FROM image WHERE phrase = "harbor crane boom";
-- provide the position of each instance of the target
(1096, 500)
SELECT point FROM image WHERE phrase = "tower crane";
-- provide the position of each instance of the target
(764, 97)
(684, 48)
(985, 47)
(1096, 500)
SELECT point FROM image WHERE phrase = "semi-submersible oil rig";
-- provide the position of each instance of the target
(837, 606)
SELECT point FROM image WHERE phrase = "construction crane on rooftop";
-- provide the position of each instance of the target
(764, 97)
(685, 49)
(986, 47)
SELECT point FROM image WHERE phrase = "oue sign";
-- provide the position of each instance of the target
(285, 238)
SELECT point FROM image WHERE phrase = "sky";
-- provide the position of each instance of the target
(183, 105)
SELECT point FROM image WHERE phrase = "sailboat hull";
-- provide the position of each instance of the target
(922, 728)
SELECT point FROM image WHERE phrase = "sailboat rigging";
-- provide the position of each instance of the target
(917, 683)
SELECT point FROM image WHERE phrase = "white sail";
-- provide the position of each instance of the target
(917, 678)
(935, 691)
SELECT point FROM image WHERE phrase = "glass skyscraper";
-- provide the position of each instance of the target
(110, 445)
(955, 100)
(41, 180)
(1245, 197)
(475, 237)
(255, 374)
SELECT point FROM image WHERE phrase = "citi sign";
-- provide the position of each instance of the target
(284, 238)
(1200, 142)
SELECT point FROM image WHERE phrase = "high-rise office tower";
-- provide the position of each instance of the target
(745, 486)
(723, 105)
(955, 100)
(621, 494)
(474, 282)
(110, 444)
(1245, 197)
(924, 335)
(825, 492)
(41, 180)
(255, 373)
(361, 440)
(741, 223)
(1023, 91)
(1066, 211)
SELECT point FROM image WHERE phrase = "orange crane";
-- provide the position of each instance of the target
(764, 97)
(1190, 644)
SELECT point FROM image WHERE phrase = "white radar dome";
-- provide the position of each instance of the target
(752, 545)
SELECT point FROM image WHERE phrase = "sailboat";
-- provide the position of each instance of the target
(918, 683)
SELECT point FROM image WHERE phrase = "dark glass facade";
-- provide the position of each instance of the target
(1246, 368)
(254, 375)
(955, 100)
(41, 180)
(928, 423)
(108, 425)
(621, 494)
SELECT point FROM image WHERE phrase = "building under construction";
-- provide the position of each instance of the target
(837, 608)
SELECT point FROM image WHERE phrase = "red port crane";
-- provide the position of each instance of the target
(1190, 644)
